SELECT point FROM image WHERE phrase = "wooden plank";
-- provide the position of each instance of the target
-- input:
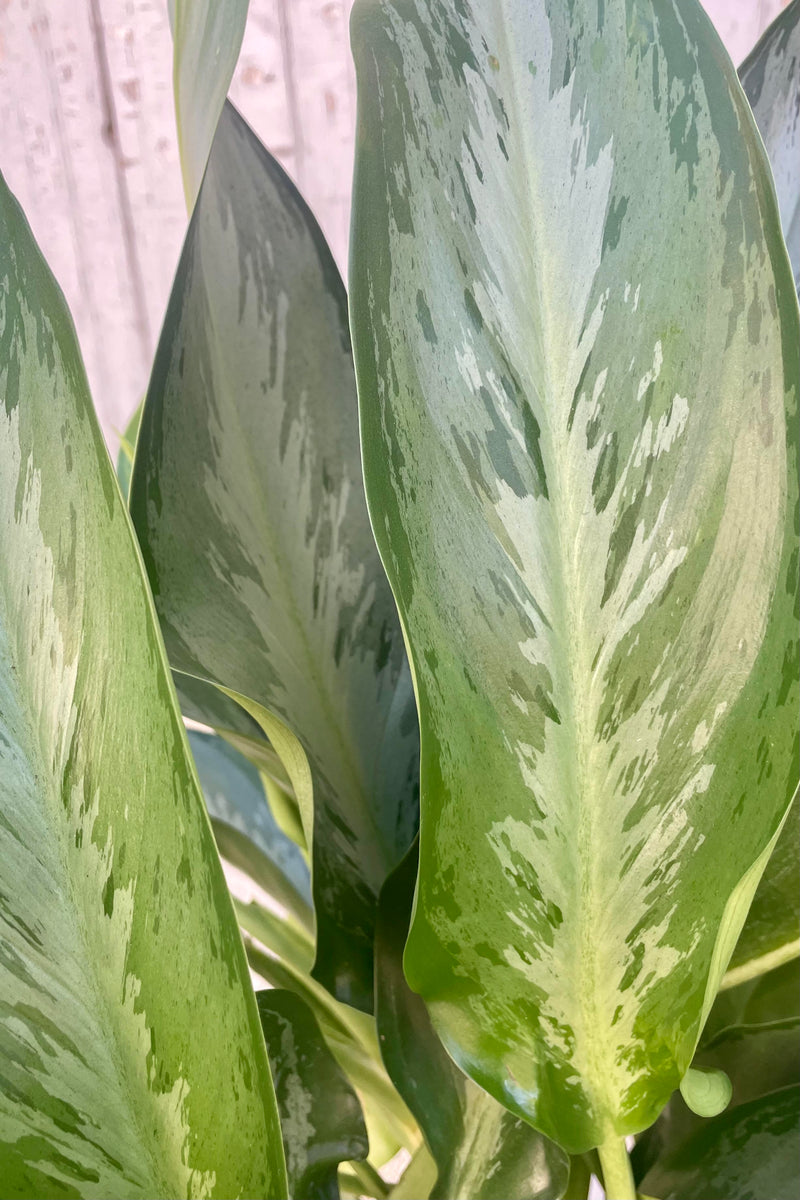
(138, 52)
(319, 45)
(59, 159)
(740, 23)
(262, 85)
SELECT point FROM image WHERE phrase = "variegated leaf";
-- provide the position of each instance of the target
(248, 499)
(352, 1039)
(576, 346)
(131, 1057)
(770, 76)
(321, 1119)
(753, 1036)
(199, 700)
(207, 36)
(482, 1151)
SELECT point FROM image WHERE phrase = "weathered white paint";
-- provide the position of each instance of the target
(89, 147)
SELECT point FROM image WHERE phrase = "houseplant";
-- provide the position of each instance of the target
(501, 285)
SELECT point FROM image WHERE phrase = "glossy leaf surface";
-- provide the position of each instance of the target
(576, 345)
(131, 1056)
(483, 1152)
(770, 76)
(321, 1118)
(248, 500)
(753, 1035)
(207, 36)
(749, 1152)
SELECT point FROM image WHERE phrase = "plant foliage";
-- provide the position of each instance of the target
(484, 585)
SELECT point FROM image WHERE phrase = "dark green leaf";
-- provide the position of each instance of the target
(248, 500)
(321, 1118)
(748, 1153)
(351, 1036)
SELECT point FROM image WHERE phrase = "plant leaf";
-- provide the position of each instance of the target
(575, 333)
(753, 1036)
(482, 1151)
(207, 37)
(321, 1118)
(418, 1178)
(286, 938)
(762, 1000)
(351, 1037)
(202, 701)
(248, 500)
(127, 447)
(770, 76)
(131, 1056)
(771, 933)
(749, 1152)
(237, 806)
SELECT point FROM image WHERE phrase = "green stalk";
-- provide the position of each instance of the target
(617, 1175)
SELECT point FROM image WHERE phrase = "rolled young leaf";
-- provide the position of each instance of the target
(248, 500)
(132, 1062)
(771, 933)
(770, 76)
(207, 36)
(576, 344)
(321, 1118)
(482, 1151)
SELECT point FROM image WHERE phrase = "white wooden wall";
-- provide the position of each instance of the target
(88, 145)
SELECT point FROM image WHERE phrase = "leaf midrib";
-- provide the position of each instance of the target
(566, 613)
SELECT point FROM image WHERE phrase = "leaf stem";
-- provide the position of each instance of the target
(617, 1175)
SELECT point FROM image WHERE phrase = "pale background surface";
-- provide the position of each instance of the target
(88, 145)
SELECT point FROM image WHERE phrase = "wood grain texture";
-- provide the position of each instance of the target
(90, 149)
